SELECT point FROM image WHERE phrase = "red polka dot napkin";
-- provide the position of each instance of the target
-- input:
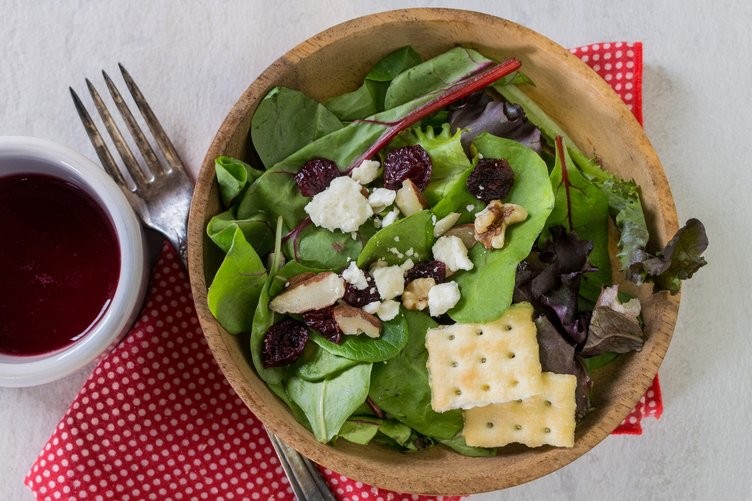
(157, 419)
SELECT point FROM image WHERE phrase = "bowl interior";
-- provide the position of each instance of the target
(589, 111)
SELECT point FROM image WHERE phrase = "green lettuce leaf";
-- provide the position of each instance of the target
(235, 289)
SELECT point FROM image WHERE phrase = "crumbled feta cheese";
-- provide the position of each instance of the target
(388, 309)
(410, 252)
(396, 252)
(355, 276)
(390, 218)
(381, 198)
(366, 171)
(470, 208)
(390, 281)
(408, 264)
(442, 298)
(445, 224)
(340, 207)
(372, 307)
(450, 250)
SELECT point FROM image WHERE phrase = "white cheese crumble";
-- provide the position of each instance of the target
(372, 307)
(450, 250)
(366, 171)
(340, 207)
(470, 208)
(390, 218)
(442, 298)
(381, 198)
(388, 309)
(390, 281)
(355, 276)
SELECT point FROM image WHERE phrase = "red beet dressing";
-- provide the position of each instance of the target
(59, 263)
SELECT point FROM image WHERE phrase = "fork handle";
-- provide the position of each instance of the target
(305, 480)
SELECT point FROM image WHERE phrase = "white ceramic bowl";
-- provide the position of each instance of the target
(20, 155)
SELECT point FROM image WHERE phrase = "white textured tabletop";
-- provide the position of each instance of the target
(193, 59)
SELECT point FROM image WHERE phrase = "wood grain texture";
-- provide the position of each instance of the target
(333, 62)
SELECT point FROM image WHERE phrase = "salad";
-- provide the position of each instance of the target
(436, 193)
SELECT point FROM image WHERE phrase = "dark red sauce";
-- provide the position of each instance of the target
(59, 263)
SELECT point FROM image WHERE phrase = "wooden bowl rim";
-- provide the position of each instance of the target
(399, 471)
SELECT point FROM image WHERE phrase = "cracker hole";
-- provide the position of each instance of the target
(451, 337)
(483, 360)
(457, 391)
(547, 430)
(485, 387)
(548, 403)
(479, 332)
(518, 427)
(507, 327)
(514, 382)
(511, 354)
(489, 424)
(454, 364)
(519, 400)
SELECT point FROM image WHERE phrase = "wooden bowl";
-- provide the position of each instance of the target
(335, 61)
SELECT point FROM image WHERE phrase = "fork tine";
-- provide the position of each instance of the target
(96, 140)
(143, 144)
(168, 150)
(139, 177)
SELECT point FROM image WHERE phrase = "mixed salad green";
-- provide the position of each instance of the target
(376, 389)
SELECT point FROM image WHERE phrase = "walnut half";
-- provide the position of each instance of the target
(491, 223)
(415, 296)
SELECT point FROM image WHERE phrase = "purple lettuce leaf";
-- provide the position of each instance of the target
(487, 111)
(559, 356)
(678, 261)
(614, 327)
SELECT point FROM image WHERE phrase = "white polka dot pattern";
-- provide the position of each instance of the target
(157, 419)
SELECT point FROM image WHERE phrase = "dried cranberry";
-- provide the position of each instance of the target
(283, 343)
(427, 269)
(491, 179)
(323, 321)
(315, 176)
(408, 162)
(359, 298)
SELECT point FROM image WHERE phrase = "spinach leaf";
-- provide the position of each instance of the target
(263, 318)
(457, 198)
(359, 430)
(400, 386)
(285, 121)
(256, 230)
(365, 349)
(413, 232)
(236, 287)
(232, 176)
(397, 431)
(436, 73)
(488, 288)
(318, 363)
(328, 403)
(368, 99)
(583, 208)
(322, 248)
(458, 444)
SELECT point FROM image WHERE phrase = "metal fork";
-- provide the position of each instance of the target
(160, 192)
